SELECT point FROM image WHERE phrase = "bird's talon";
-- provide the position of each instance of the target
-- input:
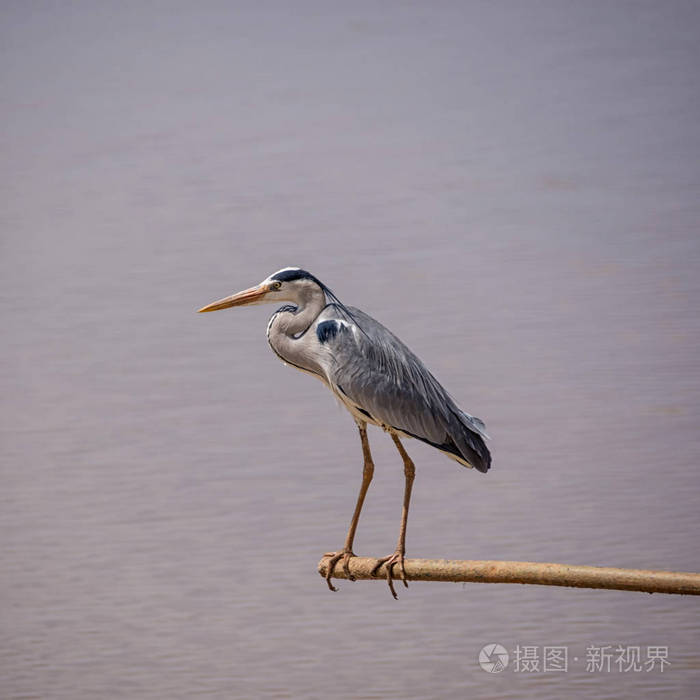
(346, 568)
(393, 559)
(377, 566)
(403, 574)
(335, 557)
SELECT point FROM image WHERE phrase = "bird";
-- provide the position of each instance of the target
(375, 376)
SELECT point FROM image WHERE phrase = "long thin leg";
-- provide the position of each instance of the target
(367, 474)
(397, 557)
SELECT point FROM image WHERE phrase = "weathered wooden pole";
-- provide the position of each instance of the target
(527, 572)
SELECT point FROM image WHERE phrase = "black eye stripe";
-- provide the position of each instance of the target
(291, 275)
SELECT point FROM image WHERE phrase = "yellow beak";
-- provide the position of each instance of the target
(247, 296)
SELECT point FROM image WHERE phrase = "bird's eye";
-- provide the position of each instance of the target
(276, 285)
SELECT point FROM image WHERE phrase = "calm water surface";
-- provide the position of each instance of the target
(511, 187)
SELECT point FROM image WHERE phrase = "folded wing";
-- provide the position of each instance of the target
(375, 371)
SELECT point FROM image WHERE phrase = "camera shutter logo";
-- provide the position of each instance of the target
(493, 658)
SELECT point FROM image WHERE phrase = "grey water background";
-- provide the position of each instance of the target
(511, 187)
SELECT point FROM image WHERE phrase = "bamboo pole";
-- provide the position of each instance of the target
(527, 572)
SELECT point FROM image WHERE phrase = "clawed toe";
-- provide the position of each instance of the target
(335, 557)
(396, 558)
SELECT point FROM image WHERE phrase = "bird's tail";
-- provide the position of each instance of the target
(469, 439)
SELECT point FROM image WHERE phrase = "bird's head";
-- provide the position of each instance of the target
(289, 284)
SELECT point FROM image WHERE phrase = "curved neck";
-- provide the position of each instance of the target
(287, 328)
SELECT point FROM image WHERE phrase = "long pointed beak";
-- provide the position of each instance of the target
(247, 296)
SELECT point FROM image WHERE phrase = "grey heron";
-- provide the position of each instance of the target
(374, 375)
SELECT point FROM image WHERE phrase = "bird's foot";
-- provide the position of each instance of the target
(396, 558)
(335, 557)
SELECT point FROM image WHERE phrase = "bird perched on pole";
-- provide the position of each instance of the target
(374, 375)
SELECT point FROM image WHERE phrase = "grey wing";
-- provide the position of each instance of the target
(383, 378)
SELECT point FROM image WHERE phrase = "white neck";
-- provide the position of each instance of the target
(286, 331)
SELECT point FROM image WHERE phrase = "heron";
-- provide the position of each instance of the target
(375, 376)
